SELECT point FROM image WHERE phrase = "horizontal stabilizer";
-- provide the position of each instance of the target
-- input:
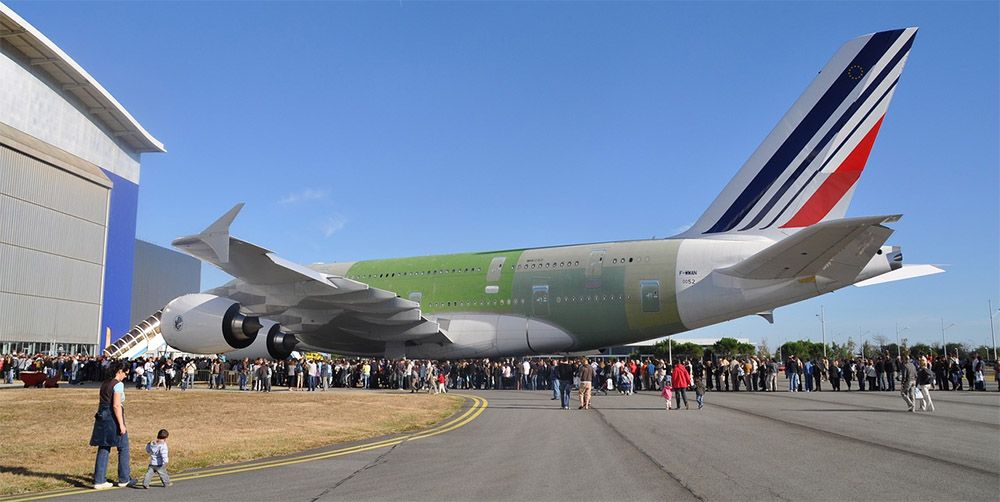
(837, 249)
(906, 272)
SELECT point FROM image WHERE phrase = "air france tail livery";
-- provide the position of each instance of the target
(776, 235)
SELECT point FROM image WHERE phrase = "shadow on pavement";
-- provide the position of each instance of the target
(76, 481)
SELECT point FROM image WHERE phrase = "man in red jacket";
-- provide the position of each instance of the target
(681, 381)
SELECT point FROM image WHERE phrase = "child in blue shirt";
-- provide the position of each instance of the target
(158, 458)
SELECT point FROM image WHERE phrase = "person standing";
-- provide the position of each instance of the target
(890, 372)
(772, 375)
(586, 374)
(554, 378)
(792, 372)
(925, 378)
(110, 431)
(835, 375)
(681, 380)
(907, 382)
(699, 391)
(848, 372)
(566, 371)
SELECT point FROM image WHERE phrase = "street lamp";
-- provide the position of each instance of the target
(993, 334)
(944, 346)
(822, 322)
(899, 347)
(861, 338)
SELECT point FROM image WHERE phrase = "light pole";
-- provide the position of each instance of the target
(899, 347)
(993, 334)
(864, 342)
(822, 323)
(670, 350)
(944, 346)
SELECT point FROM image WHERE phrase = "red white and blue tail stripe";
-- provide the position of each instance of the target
(806, 169)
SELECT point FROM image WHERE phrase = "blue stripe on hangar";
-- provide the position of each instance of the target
(120, 257)
(873, 50)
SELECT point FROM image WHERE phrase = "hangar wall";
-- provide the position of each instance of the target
(52, 242)
(69, 173)
(160, 275)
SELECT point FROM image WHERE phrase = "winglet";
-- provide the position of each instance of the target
(215, 237)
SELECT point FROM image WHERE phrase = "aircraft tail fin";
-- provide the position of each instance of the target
(806, 169)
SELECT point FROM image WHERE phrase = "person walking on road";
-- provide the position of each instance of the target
(554, 378)
(907, 381)
(681, 380)
(925, 378)
(565, 370)
(109, 430)
(586, 374)
(699, 391)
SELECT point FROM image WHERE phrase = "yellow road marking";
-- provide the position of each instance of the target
(478, 406)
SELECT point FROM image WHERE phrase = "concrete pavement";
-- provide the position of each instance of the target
(742, 446)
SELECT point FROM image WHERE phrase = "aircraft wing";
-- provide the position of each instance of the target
(904, 272)
(303, 299)
(836, 249)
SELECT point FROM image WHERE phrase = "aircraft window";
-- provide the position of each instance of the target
(645, 258)
(532, 265)
(614, 261)
(576, 263)
(630, 260)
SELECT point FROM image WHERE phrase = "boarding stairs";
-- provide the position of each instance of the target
(143, 338)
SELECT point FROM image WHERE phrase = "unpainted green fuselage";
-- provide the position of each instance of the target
(602, 294)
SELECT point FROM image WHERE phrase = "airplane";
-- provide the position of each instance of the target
(776, 235)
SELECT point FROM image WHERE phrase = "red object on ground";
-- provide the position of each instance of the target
(32, 378)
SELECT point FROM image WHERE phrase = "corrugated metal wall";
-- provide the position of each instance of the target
(52, 235)
(161, 275)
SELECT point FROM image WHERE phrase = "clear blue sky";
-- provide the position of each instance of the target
(359, 130)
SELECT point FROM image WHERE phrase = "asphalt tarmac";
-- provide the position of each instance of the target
(741, 446)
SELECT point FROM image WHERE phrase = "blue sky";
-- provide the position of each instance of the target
(366, 130)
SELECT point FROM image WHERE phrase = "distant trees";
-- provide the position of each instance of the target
(803, 349)
(733, 347)
(680, 349)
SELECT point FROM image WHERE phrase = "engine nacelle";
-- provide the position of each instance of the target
(271, 343)
(887, 259)
(207, 324)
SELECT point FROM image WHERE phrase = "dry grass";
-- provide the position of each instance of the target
(44, 433)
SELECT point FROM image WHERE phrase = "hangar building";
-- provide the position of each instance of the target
(69, 186)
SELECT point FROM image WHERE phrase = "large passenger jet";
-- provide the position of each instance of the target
(776, 235)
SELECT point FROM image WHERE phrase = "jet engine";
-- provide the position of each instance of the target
(271, 343)
(887, 259)
(207, 324)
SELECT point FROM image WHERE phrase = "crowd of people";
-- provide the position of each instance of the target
(625, 375)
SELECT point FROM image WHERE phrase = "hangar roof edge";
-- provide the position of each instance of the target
(102, 105)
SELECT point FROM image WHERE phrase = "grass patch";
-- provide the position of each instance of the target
(44, 433)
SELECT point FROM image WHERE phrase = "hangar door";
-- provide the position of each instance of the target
(52, 240)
